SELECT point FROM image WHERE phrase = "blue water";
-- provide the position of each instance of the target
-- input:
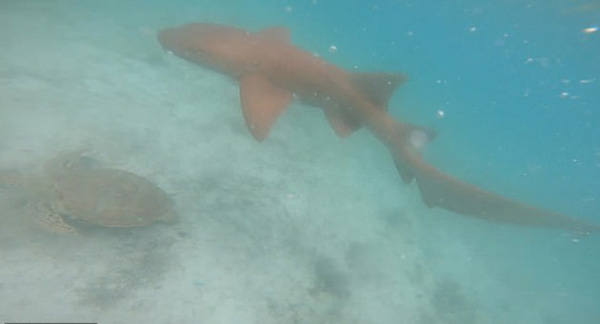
(518, 84)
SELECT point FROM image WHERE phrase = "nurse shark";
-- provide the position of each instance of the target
(272, 72)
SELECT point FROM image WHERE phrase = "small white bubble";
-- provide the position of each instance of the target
(333, 49)
(473, 29)
(440, 114)
(564, 95)
(288, 9)
(590, 30)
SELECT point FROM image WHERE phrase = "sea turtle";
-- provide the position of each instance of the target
(76, 190)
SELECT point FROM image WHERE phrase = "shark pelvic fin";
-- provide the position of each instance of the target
(262, 103)
(278, 34)
(378, 87)
(341, 122)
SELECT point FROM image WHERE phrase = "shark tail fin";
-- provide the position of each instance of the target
(444, 191)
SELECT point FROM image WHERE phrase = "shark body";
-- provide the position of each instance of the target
(271, 71)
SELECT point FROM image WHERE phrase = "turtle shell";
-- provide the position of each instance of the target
(112, 198)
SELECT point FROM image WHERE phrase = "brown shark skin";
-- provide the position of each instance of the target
(267, 60)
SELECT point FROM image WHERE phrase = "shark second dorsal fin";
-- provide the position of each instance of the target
(262, 103)
(278, 34)
(378, 87)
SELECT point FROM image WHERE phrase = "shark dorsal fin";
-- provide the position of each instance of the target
(279, 34)
(378, 87)
(262, 103)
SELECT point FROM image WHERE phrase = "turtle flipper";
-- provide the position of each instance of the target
(45, 218)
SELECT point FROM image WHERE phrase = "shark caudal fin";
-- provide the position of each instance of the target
(441, 190)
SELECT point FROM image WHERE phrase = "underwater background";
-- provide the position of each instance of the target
(306, 227)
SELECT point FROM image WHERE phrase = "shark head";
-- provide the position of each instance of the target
(222, 48)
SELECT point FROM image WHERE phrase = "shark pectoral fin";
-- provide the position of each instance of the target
(262, 103)
(279, 34)
(444, 191)
(342, 123)
(378, 87)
